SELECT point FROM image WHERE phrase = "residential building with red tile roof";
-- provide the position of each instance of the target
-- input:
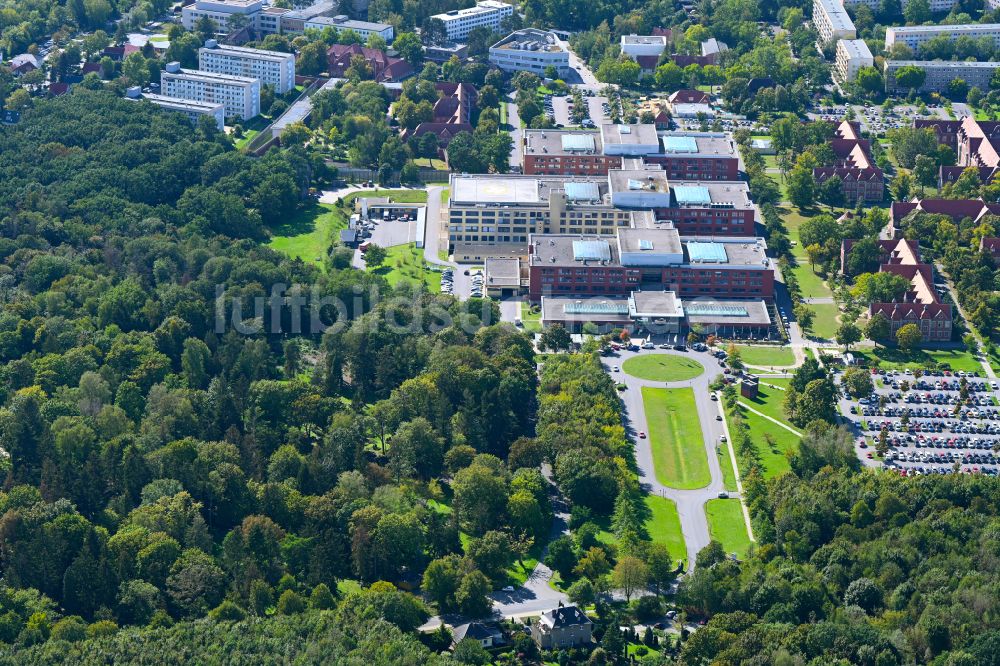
(991, 245)
(384, 69)
(920, 304)
(861, 179)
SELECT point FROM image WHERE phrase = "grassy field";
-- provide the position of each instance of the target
(675, 437)
(532, 320)
(407, 263)
(726, 463)
(772, 442)
(445, 193)
(897, 359)
(811, 284)
(766, 356)
(664, 526)
(431, 163)
(726, 525)
(825, 322)
(663, 367)
(309, 233)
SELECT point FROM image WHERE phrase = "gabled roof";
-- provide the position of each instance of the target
(475, 630)
(20, 61)
(688, 96)
(564, 616)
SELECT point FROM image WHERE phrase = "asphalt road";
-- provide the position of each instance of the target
(690, 503)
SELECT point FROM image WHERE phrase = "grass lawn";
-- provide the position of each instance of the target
(663, 367)
(766, 356)
(769, 400)
(810, 284)
(726, 463)
(445, 193)
(772, 452)
(407, 263)
(309, 233)
(897, 359)
(726, 525)
(675, 436)
(248, 136)
(532, 320)
(664, 526)
(825, 322)
(347, 586)
(431, 163)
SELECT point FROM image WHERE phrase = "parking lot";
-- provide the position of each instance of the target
(559, 110)
(462, 282)
(935, 423)
(874, 118)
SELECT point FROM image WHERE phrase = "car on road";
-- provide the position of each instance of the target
(509, 588)
(616, 369)
(642, 435)
(713, 396)
(718, 417)
(649, 345)
(723, 495)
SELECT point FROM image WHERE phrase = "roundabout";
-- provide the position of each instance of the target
(663, 367)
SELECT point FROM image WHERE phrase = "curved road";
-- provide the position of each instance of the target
(690, 503)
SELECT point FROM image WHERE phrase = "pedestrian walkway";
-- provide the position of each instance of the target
(771, 419)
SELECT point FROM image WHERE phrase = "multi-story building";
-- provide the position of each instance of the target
(530, 50)
(294, 22)
(831, 21)
(976, 144)
(561, 627)
(458, 23)
(681, 155)
(861, 179)
(500, 212)
(852, 55)
(192, 109)
(915, 35)
(919, 304)
(936, 5)
(342, 23)
(240, 95)
(634, 46)
(648, 260)
(221, 11)
(271, 67)
(942, 72)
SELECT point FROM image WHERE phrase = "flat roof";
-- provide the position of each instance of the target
(654, 305)
(562, 142)
(349, 24)
(942, 64)
(591, 250)
(726, 312)
(835, 12)
(726, 251)
(706, 144)
(202, 75)
(962, 27)
(476, 189)
(634, 134)
(660, 241)
(180, 103)
(481, 7)
(638, 180)
(855, 48)
(503, 271)
(244, 51)
(644, 39)
(582, 191)
(720, 194)
(530, 39)
(585, 309)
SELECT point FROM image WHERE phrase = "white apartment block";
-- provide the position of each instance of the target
(634, 46)
(193, 110)
(341, 23)
(936, 5)
(852, 55)
(221, 11)
(831, 21)
(530, 50)
(459, 23)
(240, 95)
(915, 35)
(271, 67)
(942, 72)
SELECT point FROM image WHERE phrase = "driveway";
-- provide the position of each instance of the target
(690, 503)
(560, 111)
(581, 75)
(516, 134)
